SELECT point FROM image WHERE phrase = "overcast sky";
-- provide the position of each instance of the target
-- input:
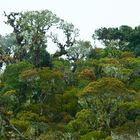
(87, 15)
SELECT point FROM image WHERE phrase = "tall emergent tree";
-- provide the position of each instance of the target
(69, 33)
(30, 29)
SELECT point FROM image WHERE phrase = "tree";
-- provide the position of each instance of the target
(69, 32)
(97, 53)
(42, 84)
(124, 38)
(84, 122)
(30, 29)
(103, 97)
(79, 92)
(7, 47)
(79, 51)
(11, 81)
(97, 135)
(108, 36)
(129, 130)
(70, 101)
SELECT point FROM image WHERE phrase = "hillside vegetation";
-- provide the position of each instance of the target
(81, 92)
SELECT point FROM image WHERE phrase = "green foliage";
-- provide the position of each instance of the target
(79, 50)
(97, 53)
(106, 86)
(30, 28)
(61, 64)
(131, 110)
(30, 116)
(6, 46)
(69, 34)
(87, 74)
(108, 138)
(135, 84)
(13, 88)
(83, 123)
(125, 38)
(128, 130)
(77, 93)
(12, 72)
(22, 125)
(70, 101)
(103, 97)
(57, 135)
(95, 135)
(127, 54)
(44, 81)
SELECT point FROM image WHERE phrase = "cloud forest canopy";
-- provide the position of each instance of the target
(81, 92)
